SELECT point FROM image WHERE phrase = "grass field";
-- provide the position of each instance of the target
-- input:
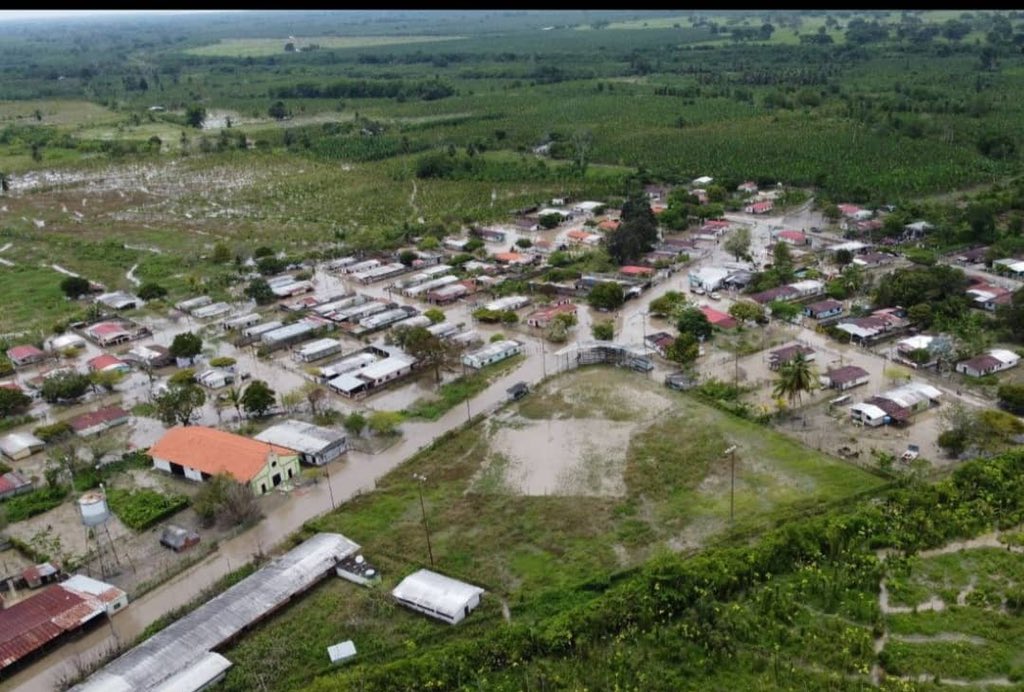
(260, 47)
(518, 545)
(973, 637)
(54, 112)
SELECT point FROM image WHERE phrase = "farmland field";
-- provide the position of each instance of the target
(259, 47)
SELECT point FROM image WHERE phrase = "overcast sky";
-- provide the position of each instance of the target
(9, 15)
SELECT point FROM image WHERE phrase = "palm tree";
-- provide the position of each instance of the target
(795, 377)
(233, 396)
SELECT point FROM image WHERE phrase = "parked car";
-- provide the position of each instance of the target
(715, 295)
(697, 290)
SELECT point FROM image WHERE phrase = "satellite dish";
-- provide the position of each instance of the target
(359, 559)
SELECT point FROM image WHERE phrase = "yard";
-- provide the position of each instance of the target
(513, 507)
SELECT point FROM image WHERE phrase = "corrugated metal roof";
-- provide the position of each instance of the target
(300, 436)
(38, 620)
(187, 642)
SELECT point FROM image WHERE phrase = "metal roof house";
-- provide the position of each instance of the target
(213, 310)
(314, 444)
(20, 445)
(181, 657)
(987, 363)
(315, 350)
(100, 420)
(438, 596)
(492, 353)
(55, 612)
(118, 300)
(13, 483)
(845, 377)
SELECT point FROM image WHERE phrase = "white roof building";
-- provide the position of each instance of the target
(315, 350)
(213, 310)
(438, 596)
(913, 343)
(193, 303)
(507, 303)
(59, 343)
(588, 207)
(492, 353)
(20, 445)
(708, 278)
(314, 444)
(118, 300)
(1014, 265)
(260, 329)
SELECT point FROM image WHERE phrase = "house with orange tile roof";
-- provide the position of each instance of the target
(198, 453)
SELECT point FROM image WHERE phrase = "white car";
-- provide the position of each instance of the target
(698, 290)
(715, 295)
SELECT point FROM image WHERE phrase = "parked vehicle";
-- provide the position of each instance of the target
(913, 452)
(715, 295)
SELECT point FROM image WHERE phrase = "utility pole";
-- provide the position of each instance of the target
(732, 482)
(421, 479)
(327, 470)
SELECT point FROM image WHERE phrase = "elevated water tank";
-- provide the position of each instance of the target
(92, 506)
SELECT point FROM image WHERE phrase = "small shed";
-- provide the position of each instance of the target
(438, 596)
(341, 652)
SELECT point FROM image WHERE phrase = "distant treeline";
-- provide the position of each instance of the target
(429, 90)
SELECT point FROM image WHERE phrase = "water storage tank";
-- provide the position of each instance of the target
(93, 508)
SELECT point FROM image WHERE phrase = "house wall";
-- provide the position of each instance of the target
(193, 475)
(287, 466)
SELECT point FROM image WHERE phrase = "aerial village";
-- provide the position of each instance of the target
(289, 392)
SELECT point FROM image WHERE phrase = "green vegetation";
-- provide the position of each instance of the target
(21, 507)
(451, 394)
(142, 508)
(536, 552)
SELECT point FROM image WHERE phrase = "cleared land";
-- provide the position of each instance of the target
(490, 532)
(259, 47)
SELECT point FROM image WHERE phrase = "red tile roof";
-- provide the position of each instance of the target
(795, 236)
(10, 385)
(609, 225)
(215, 451)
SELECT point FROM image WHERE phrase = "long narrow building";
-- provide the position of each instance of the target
(181, 657)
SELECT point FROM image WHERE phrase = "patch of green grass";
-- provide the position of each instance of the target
(953, 659)
(451, 394)
(21, 507)
(140, 509)
(993, 570)
(261, 47)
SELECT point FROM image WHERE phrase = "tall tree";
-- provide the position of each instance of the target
(738, 244)
(179, 405)
(638, 231)
(186, 345)
(74, 286)
(258, 398)
(431, 352)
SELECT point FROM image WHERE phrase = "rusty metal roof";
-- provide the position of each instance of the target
(32, 623)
